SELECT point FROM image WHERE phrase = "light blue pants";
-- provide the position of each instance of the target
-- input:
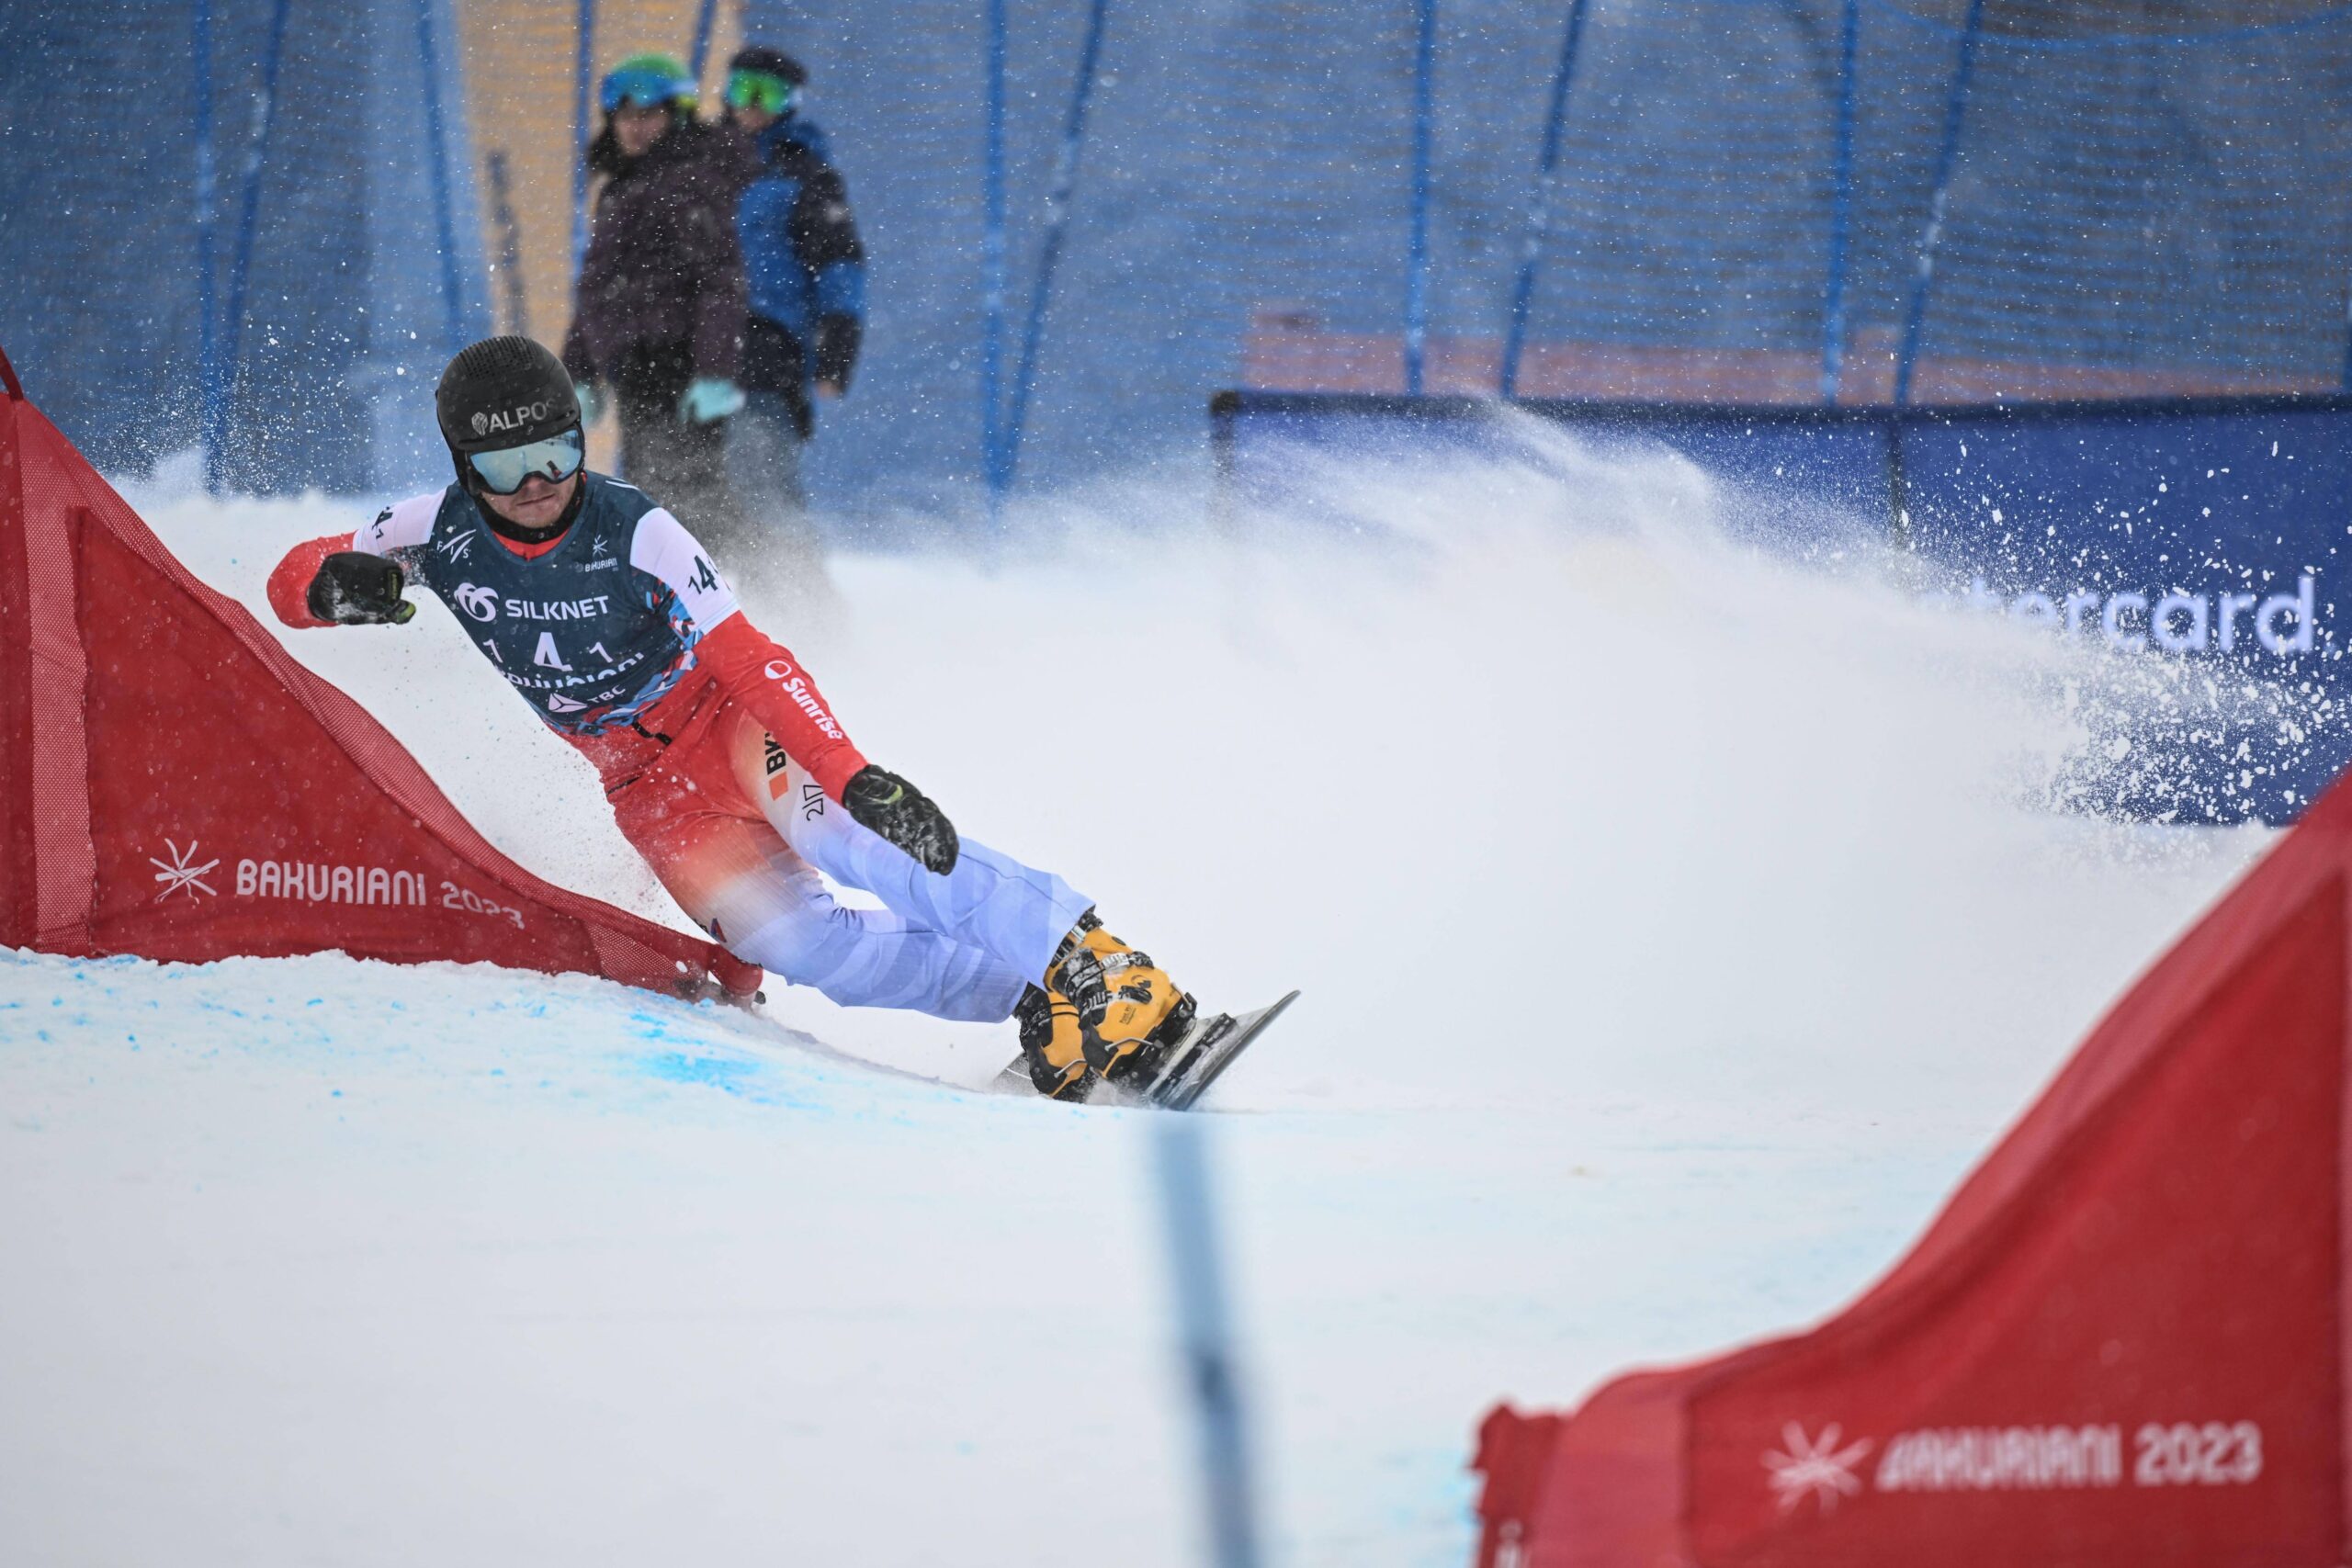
(959, 946)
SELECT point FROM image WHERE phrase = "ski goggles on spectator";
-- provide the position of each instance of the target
(644, 88)
(505, 470)
(759, 90)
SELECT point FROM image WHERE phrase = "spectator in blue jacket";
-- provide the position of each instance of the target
(807, 272)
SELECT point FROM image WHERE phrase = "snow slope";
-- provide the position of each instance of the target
(1675, 923)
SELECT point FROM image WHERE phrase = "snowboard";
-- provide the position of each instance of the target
(1193, 1065)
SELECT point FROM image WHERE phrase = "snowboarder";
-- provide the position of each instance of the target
(723, 763)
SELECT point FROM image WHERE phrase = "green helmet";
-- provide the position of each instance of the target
(648, 81)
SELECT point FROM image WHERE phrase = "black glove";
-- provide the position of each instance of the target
(356, 589)
(837, 341)
(902, 814)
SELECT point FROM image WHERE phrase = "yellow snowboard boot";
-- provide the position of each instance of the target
(1052, 1045)
(1128, 1010)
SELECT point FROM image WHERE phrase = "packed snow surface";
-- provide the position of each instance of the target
(1676, 922)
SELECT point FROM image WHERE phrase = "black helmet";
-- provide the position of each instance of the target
(769, 62)
(503, 391)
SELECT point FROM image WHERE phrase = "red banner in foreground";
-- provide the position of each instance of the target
(2121, 1345)
(175, 784)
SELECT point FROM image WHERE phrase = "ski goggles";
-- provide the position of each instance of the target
(759, 91)
(505, 470)
(644, 87)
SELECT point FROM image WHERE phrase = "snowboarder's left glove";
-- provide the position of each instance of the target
(891, 806)
(356, 589)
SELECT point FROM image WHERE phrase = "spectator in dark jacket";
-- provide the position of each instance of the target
(807, 273)
(658, 318)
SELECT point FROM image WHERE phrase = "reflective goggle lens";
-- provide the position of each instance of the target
(758, 90)
(555, 460)
(645, 88)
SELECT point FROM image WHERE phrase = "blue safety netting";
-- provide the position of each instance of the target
(2160, 202)
(2127, 211)
(342, 321)
(2133, 203)
(2115, 201)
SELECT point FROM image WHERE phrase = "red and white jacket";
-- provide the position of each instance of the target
(619, 632)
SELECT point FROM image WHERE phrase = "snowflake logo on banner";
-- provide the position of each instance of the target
(181, 874)
(1816, 1466)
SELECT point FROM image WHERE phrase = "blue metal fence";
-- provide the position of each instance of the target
(1058, 198)
(1539, 207)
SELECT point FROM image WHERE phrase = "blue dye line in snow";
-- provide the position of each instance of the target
(742, 1079)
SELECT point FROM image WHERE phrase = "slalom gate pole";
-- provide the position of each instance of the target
(509, 242)
(1833, 315)
(1189, 1212)
(213, 403)
(436, 149)
(1539, 205)
(1955, 108)
(1058, 208)
(249, 197)
(704, 17)
(2346, 384)
(1416, 248)
(992, 272)
(582, 70)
